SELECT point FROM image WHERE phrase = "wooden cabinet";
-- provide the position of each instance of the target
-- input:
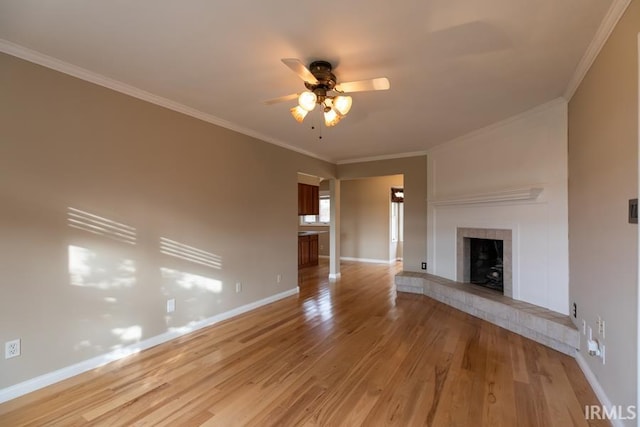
(303, 251)
(308, 199)
(307, 250)
(313, 250)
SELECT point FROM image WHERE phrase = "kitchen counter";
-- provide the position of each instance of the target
(310, 233)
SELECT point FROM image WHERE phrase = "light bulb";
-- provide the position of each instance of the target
(331, 118)
(298, 113)
(342, 104)
(307, 100)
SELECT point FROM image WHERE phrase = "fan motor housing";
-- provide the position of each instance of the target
(321, 70)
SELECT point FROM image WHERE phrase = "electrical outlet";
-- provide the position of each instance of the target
(424, 266)
(575, 310)
(279, 278)
(171, 305)
(601, 326)
(12, 349)
(238, 287)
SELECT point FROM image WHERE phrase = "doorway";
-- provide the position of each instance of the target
(396, 226)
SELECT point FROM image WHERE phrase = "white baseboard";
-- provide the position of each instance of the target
(597, 388)
(47, 379)
(369, 260)
(335, 276)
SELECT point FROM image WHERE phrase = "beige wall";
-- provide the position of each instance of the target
(67, 143)
(414, 170)
(365, 217)
(603, 176)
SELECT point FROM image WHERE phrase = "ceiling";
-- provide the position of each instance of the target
(454, 66)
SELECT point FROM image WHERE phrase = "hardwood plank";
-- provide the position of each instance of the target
(350, 352)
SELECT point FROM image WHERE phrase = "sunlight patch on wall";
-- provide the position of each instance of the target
(189, 253)
(128, 335)
(191, 281)
(189, 327)
(90, 269)
(95, 224)
(82, 345)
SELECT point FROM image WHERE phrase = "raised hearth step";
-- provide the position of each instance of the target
(547, 327)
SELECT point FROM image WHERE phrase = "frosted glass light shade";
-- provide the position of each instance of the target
(307, 100)
(331, 118)
(342, 104)
(298, 113)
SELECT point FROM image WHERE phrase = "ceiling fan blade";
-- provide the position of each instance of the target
(281, 99)
(300, 69)
(381, 83)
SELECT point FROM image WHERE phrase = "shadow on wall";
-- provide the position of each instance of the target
(116, 280)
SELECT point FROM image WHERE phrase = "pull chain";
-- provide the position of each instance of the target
(313, 127)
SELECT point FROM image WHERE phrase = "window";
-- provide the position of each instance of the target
(325, 216)
(397, 222)
(397, 214)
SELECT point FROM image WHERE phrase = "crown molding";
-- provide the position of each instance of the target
(609, 22)
(87, 75)
(383, 157)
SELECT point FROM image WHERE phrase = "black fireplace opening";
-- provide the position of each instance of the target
(485, 263)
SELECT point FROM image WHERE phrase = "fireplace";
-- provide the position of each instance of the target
(485, 263)
(484, 258)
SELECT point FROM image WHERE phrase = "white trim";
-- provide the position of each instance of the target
(609, 22)
(47, 379)
(335, 276)
(118, 86)
(518, 194)
(497, 125)
(367, 260)
(383, 157)
(597, 388)
(638, 237)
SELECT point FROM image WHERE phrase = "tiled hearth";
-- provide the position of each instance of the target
(547, 327)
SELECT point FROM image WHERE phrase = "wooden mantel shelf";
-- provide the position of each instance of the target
(512, 195)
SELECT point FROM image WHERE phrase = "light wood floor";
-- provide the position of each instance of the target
(344, 354)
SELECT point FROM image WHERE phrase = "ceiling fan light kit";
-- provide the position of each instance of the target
(307, 100)
(322, 89)
(331, 118)
(342, 104)
(333, 107)
(299, 113)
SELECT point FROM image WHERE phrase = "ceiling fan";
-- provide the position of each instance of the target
(323, 89)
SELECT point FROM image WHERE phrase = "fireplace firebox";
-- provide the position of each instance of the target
(485, 263)
(490, 265)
